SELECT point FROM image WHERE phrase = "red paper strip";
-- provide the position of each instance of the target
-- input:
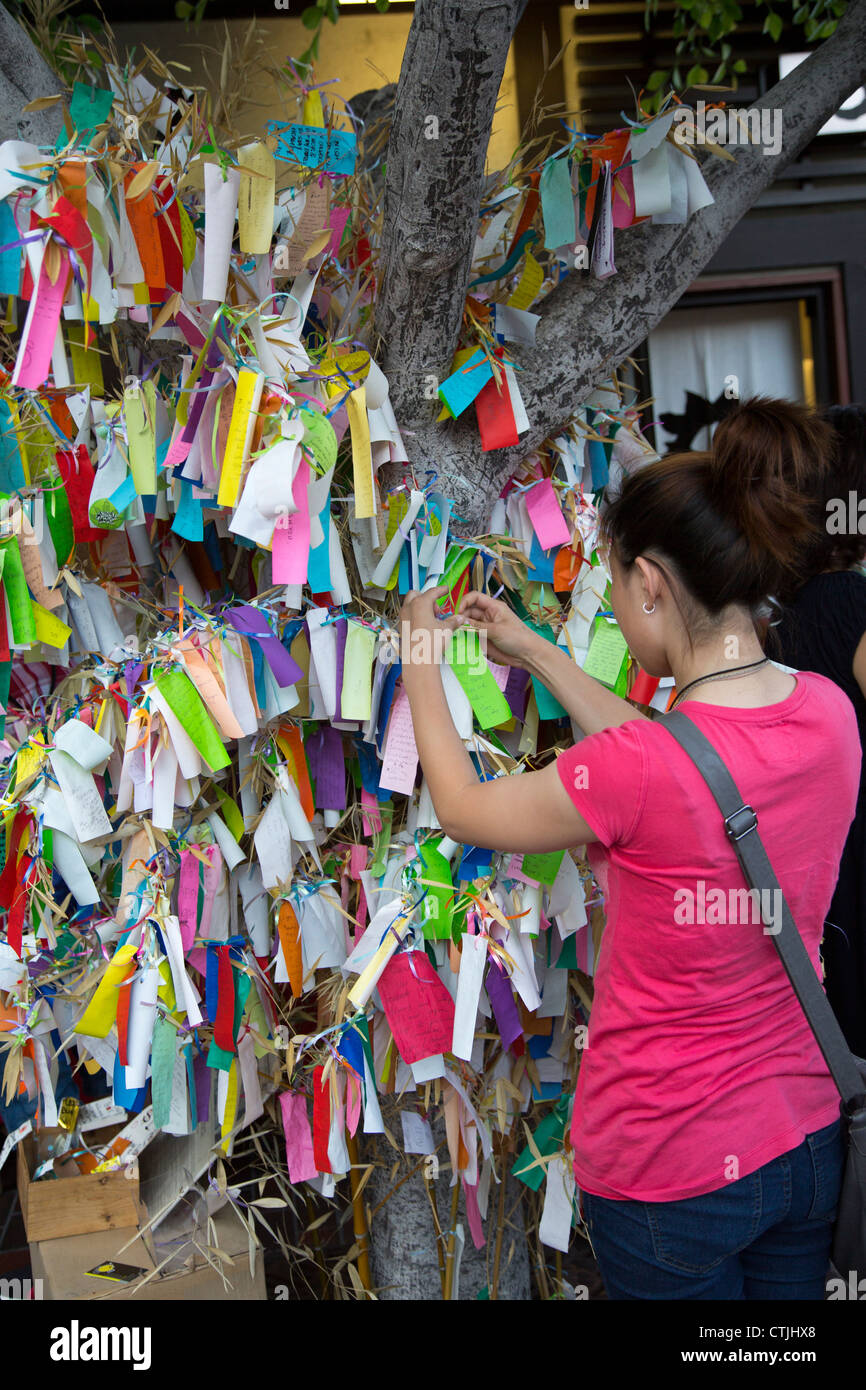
(418, 1007)
(495, 416)
(77, 473)
(644, 688)
(321, 1121)
(223, 1030)
(124, 995)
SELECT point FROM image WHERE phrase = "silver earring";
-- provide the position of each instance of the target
(649, 610)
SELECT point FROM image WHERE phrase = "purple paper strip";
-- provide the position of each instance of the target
(342, 630)
(252, 622)
(202, 1073)
(501, 997)
(516, 688)
(330, 765)
(132, 671)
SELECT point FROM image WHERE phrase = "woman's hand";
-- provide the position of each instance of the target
(509, 640)
(423, 632)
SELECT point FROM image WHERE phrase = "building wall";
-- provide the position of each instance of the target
(361, 51)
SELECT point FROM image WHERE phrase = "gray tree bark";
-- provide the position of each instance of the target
(588, 326)
(403, 1259)
(452, 70)
(24, 76)
(440, 129)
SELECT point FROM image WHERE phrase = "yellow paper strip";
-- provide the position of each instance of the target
(362, 457)
(530, 283)
(101, 1012)
(49, 628)
(139, 407)
(246, 403)
(231, 1106)
(256, 199)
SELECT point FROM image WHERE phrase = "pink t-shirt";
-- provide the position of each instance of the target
(700, 1065)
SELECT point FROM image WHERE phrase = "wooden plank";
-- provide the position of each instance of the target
(56, 1207)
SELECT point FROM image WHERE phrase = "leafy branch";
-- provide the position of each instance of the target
(314, 16)
(704, 56)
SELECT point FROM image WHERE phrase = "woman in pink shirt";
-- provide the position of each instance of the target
(706, 1131)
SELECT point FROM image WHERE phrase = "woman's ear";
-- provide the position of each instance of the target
(650, 583)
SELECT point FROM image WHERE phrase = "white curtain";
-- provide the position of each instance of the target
(702, 350)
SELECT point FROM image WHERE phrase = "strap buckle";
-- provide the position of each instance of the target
(741, 822)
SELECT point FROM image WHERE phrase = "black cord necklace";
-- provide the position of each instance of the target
(713, 675)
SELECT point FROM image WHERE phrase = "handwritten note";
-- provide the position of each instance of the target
(311, 146)
(356, 695)
(467, 661)
(290, 552)
(139, 409)
(418, 1007)
(83, 800)
(607, 652)
(220, 205)
(557, 203)
(461, 388)
(529, 285)
(400, 763)
(188, 708)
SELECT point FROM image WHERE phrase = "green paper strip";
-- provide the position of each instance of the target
(59, 518)
(542, 867)
(5, 678)
(548, 1139)
(186, 704)
(469, 664)
(162, 1070)
(20, 603)
(437, 906)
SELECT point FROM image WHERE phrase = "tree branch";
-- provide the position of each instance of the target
(588, 326)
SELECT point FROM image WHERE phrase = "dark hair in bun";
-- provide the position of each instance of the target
(737, 523)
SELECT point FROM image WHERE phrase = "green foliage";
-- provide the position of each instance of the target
(190, 13)
(702, 30)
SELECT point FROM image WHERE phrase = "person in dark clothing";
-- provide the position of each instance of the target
(823, 629)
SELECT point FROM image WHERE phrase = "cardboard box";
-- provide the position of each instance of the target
(62, 1266)
(57, 1207)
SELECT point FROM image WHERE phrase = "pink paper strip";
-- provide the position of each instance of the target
(290, 553)
(473, 1214)
(40, 329)
(546, 516)
(339, 218)
(299, 1138)
(400, 763)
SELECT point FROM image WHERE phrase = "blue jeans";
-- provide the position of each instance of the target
(766, 1236)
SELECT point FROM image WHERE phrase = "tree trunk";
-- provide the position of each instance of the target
(588, 326)
(403, 1229)
(24, 76)
(440, 129)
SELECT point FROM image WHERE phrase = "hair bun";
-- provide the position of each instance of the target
(767, 461)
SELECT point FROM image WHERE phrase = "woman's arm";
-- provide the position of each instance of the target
(528, 813)
(591, 705)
